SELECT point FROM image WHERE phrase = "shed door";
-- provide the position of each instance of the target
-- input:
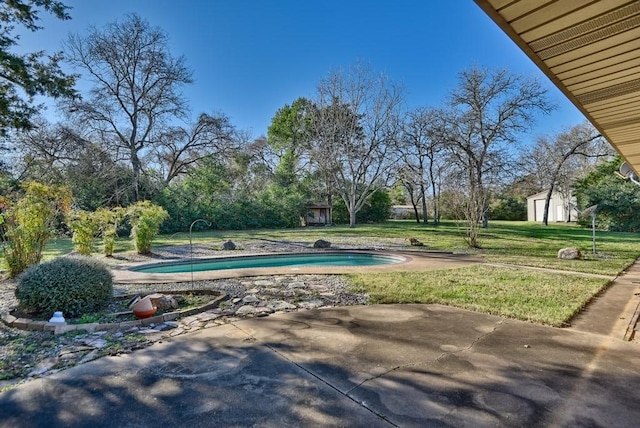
(559, 213)
(539, 209)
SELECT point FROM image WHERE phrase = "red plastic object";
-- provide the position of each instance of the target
(145, 314)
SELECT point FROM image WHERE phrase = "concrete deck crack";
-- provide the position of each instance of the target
(284, 357)
(427, 363)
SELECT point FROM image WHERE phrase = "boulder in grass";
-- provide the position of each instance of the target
(321, 243)
(570, 253)
(229, 246)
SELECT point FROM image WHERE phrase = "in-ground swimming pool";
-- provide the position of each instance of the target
(281, 260)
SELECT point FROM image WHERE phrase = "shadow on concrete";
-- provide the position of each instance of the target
(404, 365)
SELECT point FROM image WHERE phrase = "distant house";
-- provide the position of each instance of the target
(318, 215)
(560, 209)
(402, 212)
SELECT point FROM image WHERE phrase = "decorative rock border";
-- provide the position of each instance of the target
(29, 324)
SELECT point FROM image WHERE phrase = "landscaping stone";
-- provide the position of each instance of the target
(280, 305)
(43, 367)
(321, 243)
(297, 285)
(263, 311)
(311, 304)
(251, 298)
(245, 310)
(208, 316)
(89, 357)
(570, 253)
(62, 329)
(8, 319)
(263, 283)
(95, 343)
(163, 301)
(229, 246)
(148, 331)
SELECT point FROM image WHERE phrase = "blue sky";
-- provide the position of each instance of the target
(250, 57)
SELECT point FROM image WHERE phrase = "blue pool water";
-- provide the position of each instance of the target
(288, 260)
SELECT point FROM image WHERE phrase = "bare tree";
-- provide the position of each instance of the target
(178, 148)
(60, 155)
(136, 85)
(488, 112)
(423, 155)
(46, 150)
(355, 129)
(556, 160)
(411, 184)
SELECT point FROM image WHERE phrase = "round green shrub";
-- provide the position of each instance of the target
(73, 285)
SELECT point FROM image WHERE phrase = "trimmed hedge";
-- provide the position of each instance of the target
(73, 285)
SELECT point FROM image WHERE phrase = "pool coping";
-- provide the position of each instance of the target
(413, 261)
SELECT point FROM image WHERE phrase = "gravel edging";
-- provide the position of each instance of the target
(26, 355)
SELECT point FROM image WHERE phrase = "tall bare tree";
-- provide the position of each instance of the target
(136, 85)
(56, 154)
(45, 151)
(179, 147)
(422, 153)
(488, 112)
(556, 160)
(355, 129)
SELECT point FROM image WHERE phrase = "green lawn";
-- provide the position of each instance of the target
(549, 298)
(522, 294)
(521, 243)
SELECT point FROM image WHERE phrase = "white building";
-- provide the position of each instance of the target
(560, 209)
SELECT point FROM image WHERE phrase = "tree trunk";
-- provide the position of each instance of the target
(352, 217)
(408, 186)
(137, 167)
(482, 200)
(436, 216)
(415, 210)
(484, 206)
(330, 203)
(547, 201)
(424, 203)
